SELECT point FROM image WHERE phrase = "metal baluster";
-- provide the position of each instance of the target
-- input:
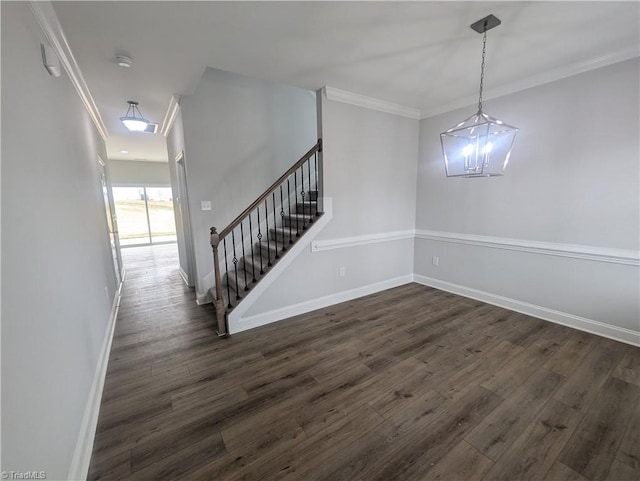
(282, 219)
(235, 262)
(260, 241)
(295, 193)
(246, 287)
(226, 269)
(315, 158)
(289, 202)
(304, 221)
(266, 216)
(253, 264)
(309, 173)
(275, 223)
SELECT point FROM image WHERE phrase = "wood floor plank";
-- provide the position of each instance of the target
(594, 444)
(622, 472)
(423, 448)
(353, 462)
(194, 429)
(533, 453)
(585, 382)
(463, 462)
(570, 355)
(387, 386)
(629, 450)
(560, 472)
(508, 378)
(629, 367)
(314, 453)
(495, 433)
(474, 374)
(180, 463)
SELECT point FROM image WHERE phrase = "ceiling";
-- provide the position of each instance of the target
(417, 54)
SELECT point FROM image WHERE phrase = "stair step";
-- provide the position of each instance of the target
(282, 235)
(299, 221)
(307, 207)
(240, 288)
(269, 252)
(253, 267)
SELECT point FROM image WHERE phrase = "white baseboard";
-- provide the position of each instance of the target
(84, 446)
(184, 276)
(570, 320)
(319, 303)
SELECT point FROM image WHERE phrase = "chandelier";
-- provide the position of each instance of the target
(480, 145)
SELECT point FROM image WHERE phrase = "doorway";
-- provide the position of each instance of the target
(112, 221)
(145, 215)
(185, 246)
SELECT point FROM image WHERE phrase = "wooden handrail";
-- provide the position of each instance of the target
(235, 222)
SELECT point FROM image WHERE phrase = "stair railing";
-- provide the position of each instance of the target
(236, 242)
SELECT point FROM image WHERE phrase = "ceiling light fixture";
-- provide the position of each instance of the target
(479, 146)
(131, 121)
(124, 61)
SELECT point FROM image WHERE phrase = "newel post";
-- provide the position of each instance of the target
(221, 309)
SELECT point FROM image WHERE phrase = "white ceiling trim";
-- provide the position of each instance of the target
(50, 25)
(534, 81)
(358, 100)
(170, 116)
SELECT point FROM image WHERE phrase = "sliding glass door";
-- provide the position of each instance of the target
(145, 215)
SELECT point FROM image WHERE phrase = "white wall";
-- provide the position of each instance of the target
(572, 179)
(58, 278)
(125, 173)
(240, 135)
(370, 161)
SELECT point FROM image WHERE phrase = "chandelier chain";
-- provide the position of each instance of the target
(484, 51)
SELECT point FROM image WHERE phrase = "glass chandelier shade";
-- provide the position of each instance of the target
(479, 146)
(131, 121)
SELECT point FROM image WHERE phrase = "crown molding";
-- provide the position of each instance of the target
(170, 116)
(536, 80)
(358, 100)
(52, 29)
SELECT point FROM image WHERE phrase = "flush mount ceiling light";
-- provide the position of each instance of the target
(131, 121)
(480, 145)
(124, 61)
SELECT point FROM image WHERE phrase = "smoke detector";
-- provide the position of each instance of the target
(124, 61)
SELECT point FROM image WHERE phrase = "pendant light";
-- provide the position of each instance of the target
(480, 145)
(131, 121)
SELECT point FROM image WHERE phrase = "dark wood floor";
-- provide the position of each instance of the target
(408, 384)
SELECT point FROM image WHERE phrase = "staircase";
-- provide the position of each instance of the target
(247, 249)
(266, 252)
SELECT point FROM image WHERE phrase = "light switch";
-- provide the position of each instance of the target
(205, 205)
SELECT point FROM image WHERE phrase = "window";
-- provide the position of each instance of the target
(145, 215)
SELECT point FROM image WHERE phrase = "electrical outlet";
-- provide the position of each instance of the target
(435, 260)
(205, 205)
(343, 271)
